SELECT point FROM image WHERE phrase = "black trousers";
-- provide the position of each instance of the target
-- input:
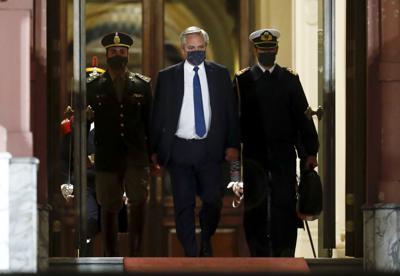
(192, 173)
(272, 187)
(283, 231)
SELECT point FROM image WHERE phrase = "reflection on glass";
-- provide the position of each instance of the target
(102, 17)
(105, 17)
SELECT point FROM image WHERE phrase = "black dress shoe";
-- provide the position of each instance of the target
(87, 248)
(205, 249)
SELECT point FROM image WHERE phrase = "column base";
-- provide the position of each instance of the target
(382, 237)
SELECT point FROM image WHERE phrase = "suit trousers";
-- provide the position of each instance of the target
(283, 231)
(193, 173)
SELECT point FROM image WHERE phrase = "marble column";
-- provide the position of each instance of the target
(382, 237)
(3, 139)
(382, 214)
(23, 235)
(4, 210)
(15, 79)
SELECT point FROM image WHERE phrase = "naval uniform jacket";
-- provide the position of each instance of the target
(272, 118)
(121, 126)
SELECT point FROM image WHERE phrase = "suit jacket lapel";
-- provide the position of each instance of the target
(177, 98)
(212, 89)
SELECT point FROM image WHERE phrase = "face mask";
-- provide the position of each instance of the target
(196, 57)
(266, 59)
(117, 62)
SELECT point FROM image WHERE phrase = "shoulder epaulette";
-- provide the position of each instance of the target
(93, 75)
(242, 71)
(292, 71)
(143, 77)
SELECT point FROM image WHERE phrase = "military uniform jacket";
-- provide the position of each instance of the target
(273, 122)
(121, 126)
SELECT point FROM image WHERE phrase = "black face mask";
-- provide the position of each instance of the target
(117, 62)
(266, 59)
(196, 57)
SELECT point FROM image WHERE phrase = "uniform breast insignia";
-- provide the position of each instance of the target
(137, 95)
(292, 71)
(142, 77)
(242, 71)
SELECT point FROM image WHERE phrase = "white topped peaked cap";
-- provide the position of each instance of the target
(265, 38)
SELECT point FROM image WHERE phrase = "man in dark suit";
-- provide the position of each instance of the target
(272, 114)
(121, 103)
(194, 126)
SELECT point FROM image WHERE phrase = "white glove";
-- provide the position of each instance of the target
(125, 199)
(237, 188)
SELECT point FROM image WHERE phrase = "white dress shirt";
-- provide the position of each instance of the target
(264, 69)
(186, 124)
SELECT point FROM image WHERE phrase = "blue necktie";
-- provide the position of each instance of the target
(199, 121)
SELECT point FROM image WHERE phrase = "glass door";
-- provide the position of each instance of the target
(155, 26)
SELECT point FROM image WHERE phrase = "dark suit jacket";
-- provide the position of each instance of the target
(224, 127)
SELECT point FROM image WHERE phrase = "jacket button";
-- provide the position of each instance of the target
(122, 106)
(122, 135)
(138, 104)
(122, 125)
(121, 115)
(99, 103)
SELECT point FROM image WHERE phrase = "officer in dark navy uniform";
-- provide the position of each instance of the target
(272, 106)
(119, 103)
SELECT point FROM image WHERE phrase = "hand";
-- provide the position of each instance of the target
(311, 162)
(155, 169)
(89, 113)
(69, 198)
(231, 154)
(90, 161)
(125, 199)
(66, 126)
(154, 160)
(301, 216)
(237, 188)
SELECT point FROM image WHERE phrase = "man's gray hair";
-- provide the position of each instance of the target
(193, 30)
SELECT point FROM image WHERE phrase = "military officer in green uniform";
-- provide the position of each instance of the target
(272, 106)
(119, 103)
